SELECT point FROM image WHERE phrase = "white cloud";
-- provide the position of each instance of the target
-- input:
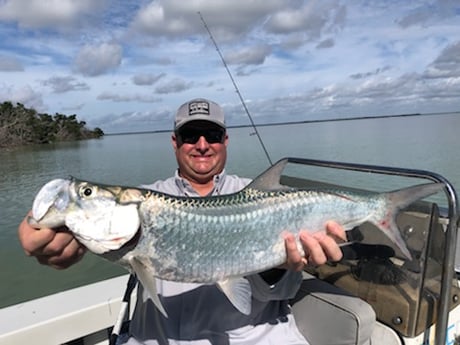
(147, 79)
(128, 97)
(93, 60)
(152, 19)
(173, 86)
(423, 15)
(249, 56)
(134, 120)
(311, 19)
(327, 43)
(65, 84)
(47, 13)
(447, 64)
(25, 95)
(229, 20)
(291, 59)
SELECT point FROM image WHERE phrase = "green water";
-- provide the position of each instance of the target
(421, 142)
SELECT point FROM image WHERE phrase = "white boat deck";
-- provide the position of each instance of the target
(63, 316)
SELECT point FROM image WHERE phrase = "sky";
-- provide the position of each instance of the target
(126, 66)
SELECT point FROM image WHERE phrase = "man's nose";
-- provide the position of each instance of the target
(202, 143)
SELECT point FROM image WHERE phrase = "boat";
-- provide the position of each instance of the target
(373, 296)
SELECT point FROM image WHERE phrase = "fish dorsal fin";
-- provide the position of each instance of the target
(147, 279)
(238, 291)
(270, 178)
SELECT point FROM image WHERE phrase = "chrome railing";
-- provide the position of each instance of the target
(448, 268)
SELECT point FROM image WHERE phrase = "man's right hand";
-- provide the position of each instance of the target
(53, 247)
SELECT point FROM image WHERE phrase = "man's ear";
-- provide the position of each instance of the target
(174, 141)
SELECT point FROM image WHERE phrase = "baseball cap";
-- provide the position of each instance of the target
(199, 109)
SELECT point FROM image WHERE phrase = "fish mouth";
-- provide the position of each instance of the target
(53, 196)
(134, 240)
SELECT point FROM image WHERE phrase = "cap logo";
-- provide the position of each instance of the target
(198, 108)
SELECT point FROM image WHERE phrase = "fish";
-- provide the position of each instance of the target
(211, 240)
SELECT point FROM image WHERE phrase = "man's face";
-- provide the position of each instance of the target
(201, 150)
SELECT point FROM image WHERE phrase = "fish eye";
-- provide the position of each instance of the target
(86, 191)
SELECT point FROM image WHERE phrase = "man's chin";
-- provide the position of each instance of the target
(203, 166)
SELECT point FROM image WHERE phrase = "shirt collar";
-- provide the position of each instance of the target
(186, 188)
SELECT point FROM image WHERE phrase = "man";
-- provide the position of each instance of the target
(202, 314)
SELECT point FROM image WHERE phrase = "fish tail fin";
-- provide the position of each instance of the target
(396, 201)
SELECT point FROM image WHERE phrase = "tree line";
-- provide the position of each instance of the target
(23, 126)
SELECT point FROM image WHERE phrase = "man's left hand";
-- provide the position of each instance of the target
(319, 247)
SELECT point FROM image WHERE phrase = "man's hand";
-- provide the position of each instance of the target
(53, 247)
(319, 247)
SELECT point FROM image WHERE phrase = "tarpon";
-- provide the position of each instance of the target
(218, 239)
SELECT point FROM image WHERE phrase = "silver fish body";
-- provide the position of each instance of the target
(213, 239)
(205, 240)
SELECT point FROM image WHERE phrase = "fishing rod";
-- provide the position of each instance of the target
(132, 281)
(236, 88)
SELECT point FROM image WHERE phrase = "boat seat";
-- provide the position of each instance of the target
(328, 315)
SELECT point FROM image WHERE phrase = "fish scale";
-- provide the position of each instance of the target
(247, 237)
(209, 240)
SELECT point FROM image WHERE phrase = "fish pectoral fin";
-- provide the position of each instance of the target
(147, 279)
(238, 291)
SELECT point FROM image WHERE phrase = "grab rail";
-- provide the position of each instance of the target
(448, 267)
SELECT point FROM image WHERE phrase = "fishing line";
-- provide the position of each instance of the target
(236, 88)
(124, 310)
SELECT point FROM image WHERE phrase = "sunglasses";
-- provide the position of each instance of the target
(192, 135)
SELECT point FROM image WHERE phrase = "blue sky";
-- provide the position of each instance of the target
(127, 65)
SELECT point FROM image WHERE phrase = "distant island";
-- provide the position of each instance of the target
(21, 126)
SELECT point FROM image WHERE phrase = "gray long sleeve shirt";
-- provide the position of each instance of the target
(201, 314)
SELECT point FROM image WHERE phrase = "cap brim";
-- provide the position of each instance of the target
(199, 118)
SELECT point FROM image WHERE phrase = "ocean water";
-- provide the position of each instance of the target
(428, 142)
